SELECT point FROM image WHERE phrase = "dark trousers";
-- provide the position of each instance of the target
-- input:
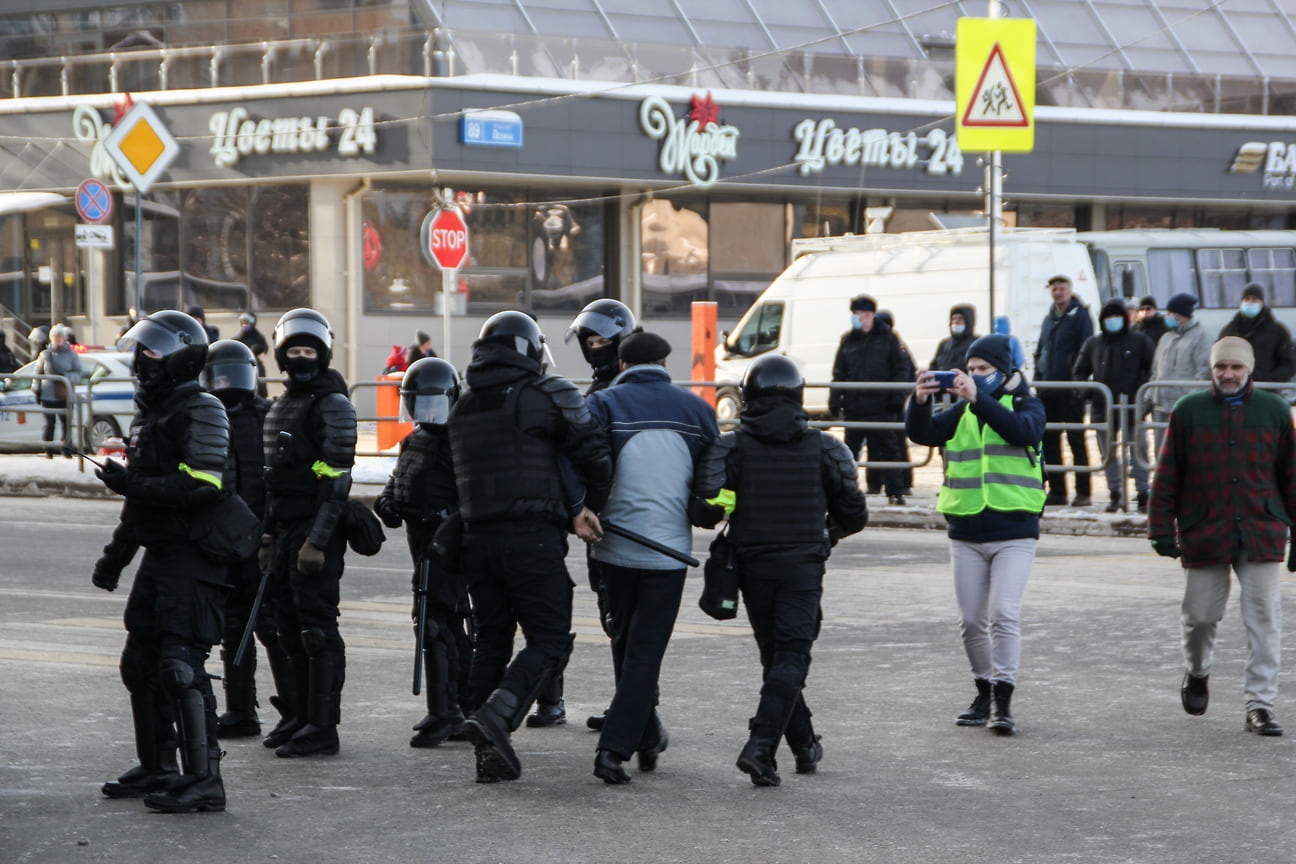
(882, 447)
(519, 578)
(174, 611)
(61, 417)
(1063, 406)
(642, 607)
(447, 604)
(782, 602)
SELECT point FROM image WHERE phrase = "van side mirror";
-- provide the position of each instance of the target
(1127, 284)
(724, 340)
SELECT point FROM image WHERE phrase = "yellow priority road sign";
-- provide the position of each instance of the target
(995, 84)
(141, 146)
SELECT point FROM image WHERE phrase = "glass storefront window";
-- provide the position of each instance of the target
(676, 249)
(749, 243)
(280, 246)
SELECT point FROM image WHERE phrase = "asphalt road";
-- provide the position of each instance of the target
(1107, 767)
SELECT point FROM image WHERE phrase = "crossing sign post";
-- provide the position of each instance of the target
(995, 84)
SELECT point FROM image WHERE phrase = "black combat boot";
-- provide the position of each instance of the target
(444, 716)
(607, 767)
(488, 729)
(757, 756)
(1001, 721)
(155, 745)
(802, 740)
(240, 718)
(979, 711)
(200, 790)
(654, 743)
(549, 705)
(297, 702)
(319, 736)
(807, 757)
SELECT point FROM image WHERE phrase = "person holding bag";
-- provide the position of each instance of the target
(992, 498)
(781, 477)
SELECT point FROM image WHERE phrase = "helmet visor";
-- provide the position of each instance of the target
(595, 322)
(229, 376)
(425, 408)
(156, 337)
(303, 326)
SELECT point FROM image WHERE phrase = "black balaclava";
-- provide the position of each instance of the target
(151, 374)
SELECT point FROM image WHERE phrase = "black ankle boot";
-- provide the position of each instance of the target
(488, 729)
(203, 792)
(431, 731)
(1001, 721)
(310, 740)
(607, 767)
(807, 758)
(757, 758)
(979, 711)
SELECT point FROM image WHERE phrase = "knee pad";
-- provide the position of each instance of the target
(313, 640)
(135, 664)
(177, 676)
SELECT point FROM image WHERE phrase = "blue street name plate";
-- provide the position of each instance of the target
(491, 129)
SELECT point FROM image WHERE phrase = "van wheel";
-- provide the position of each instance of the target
(728, 404)
(101, 429)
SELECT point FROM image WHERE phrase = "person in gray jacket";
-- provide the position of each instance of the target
(659, 432)
(1182, 354)
(57, 359)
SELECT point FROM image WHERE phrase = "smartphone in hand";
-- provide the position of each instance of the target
(944, 379)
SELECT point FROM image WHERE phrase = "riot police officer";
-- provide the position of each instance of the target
(422, 494)
(178, 445)
(598, 329)
(507, 433)
(783, 477)
(310, 437)
(231, 376)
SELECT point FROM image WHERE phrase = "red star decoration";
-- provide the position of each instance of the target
(121, 108)
(704, 110)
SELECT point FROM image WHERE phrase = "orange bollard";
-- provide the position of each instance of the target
(387, 399)
(705, 315)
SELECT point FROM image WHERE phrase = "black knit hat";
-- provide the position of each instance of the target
(995, 350)
(643, 347)
(863, 303)
(1182, 304)
(1148, 302)
(1253, 290)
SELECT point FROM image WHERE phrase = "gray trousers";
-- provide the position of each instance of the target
(1205, 597)
(1123, 431)
(989, 582)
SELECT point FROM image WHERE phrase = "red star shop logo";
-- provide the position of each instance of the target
(704, 110)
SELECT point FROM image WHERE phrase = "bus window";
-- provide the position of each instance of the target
(1171, 271)
(1275, 270)
(1136, 281)
(761, 332)
(1223, 276)
(1099, 260)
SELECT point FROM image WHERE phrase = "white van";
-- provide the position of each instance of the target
(917, 277)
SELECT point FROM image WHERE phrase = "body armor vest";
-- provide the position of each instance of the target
(289, 474)
(502, 472)
(780, 496)
(247, 454)
(423, 484)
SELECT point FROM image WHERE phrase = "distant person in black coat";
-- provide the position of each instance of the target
(1121, 359)
(951, 353)
(869, 351)
(8, 362)
(1270, 340)
(1066, 327)
(1149, 321)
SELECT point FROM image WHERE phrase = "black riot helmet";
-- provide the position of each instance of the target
(516, 330)
(231, 370)
(610, 319)
(428, 390)
(773, 375)
(180, 340)
(303, 327)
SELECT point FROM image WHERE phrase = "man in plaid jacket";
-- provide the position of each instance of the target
(1227, 477)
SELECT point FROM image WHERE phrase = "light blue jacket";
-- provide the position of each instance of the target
(658, 432)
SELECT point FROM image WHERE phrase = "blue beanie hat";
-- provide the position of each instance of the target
(995, 350)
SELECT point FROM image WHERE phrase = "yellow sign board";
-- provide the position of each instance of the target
(995, 84)
(141, 146)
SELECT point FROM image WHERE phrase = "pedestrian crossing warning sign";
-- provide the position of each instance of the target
(995, 84)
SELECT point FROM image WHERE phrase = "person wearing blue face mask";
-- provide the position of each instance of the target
(1122, 359)
(991, 498)
(1183, 354)
(1275, 359)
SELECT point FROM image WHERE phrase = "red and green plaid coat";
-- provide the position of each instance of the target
(1226, 478)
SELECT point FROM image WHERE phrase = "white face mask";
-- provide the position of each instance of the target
(1251, 309)
(957, 329)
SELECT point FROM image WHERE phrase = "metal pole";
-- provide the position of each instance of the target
(139, 251)
(448, 286)
(994, 194)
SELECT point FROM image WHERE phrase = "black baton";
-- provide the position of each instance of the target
(636, 537)
(252, 617)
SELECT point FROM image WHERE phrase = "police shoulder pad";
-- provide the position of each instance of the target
(563, 392)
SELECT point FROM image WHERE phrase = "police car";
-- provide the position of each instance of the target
(106, 392)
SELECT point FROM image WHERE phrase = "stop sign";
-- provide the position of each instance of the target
(445, 238)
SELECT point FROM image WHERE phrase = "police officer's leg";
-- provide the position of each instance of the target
(240, 717)
(805, 745)
(267, 633)
(441, 665)
(759, 592)
(190, 620)
(288, 625)
(493, 614)
(155, 742)
(539, 589)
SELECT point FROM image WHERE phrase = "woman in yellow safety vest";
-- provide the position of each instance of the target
(992, 497)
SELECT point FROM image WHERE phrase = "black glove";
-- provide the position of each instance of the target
(106, 574)
(1291, 555)
(266, 553)
(204, 496)
(310, 558)
(387, 512)
(115, 476)
(1166, 547)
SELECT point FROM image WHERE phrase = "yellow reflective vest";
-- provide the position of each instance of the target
(983, 470)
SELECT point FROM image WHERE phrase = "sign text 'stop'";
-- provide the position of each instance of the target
(445, 238)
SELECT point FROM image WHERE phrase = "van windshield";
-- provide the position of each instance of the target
(761, 331)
